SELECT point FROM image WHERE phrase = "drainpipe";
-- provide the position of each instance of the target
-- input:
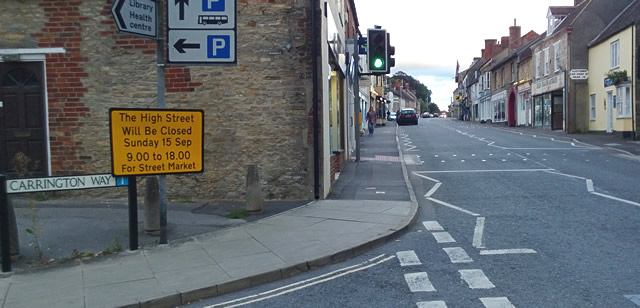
(634, 84)
(567, 100)
(316, 129)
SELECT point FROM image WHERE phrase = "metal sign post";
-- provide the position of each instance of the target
(5, 238)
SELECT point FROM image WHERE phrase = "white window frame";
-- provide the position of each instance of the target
(614, 57)
(592, 107)
(623, 101)
(538, 64)
(546, 61)
(556, 56)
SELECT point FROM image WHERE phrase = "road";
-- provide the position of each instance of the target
(507, 219)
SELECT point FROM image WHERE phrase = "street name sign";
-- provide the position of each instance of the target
(201, 31)
(53, 183)
(579, 74)
(156, 141)
(136, 17)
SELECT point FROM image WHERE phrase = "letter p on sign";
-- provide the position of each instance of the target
(218, 46)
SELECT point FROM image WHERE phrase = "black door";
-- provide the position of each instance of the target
(22, 119)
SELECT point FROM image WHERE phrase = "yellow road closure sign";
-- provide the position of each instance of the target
(156, 141)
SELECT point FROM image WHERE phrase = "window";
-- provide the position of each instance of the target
(615, 54)
(546, 61)
(592, 107)
(556, 56)
(623, 107)
(538, 64)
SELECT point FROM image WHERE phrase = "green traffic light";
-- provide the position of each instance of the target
(378, 63)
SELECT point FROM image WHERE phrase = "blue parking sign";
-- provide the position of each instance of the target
(218, 46)
(213, 5)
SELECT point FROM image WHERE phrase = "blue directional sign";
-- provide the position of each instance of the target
(201, 31)
(188, 46)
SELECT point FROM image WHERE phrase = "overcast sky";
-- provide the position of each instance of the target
(430, 35)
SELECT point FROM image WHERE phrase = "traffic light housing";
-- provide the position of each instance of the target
(391, 50)
(377, 51)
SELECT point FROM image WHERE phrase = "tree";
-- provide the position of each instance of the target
(422, 92)
(433, 108)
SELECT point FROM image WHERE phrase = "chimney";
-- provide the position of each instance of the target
(482, 53)
(504, 42)
(488, 48)
(514, 37)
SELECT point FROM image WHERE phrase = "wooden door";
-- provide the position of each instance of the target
(22, 119)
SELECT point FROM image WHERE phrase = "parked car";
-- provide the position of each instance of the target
(435, 115)
(425, 114)
(443, 115)
(407, 116)
(392, 117)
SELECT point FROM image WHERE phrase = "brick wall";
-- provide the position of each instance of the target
(256, 112)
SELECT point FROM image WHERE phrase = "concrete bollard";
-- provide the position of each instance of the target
(254, 190)
(14, 240)
(152, 206)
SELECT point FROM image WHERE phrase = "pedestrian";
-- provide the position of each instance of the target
(371, 120)
(388, 115)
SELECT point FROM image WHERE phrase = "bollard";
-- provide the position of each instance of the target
(254, 190)
(152, 207)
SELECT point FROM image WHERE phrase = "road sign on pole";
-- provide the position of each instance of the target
(137, 17)
(201, 31)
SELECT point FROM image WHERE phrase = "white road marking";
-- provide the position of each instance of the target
(443, 237)
(616, 198)
(453, 207)
(432, 226)
(478, 238)
(590, 185)
(506, 251)
(425, 177)
(303, 284)
(476, 279)
(457, 255)
(432, 304)
(496, 302)
(408, 258)
(635, 298)
(462, 161)
(492, 170)
(484, 160)
(419, 282)
(432, 190)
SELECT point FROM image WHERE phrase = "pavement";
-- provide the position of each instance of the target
(210, 255)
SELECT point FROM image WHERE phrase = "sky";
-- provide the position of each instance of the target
(431, 35)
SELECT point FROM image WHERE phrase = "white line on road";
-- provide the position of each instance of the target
(301, 284)
(432, 190)
(496, 302)
(497, 170)
(432, 304)
(443, 237)
(476, 279)
(453, 207)
(590, 185)
(408, 258)
(432, 225)
(457, 255)
(478, 232)
(635, 298)
(419, 282)
(506, 251)
(617, 199)
(425, 177)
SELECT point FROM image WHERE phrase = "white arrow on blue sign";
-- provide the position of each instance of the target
(213, 46)
(136, 17)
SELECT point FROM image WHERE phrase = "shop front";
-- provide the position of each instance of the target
(498, 104)
(548, 102)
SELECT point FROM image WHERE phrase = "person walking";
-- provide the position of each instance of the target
(371, 120)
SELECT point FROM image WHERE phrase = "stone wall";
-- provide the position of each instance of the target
(256, 112)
